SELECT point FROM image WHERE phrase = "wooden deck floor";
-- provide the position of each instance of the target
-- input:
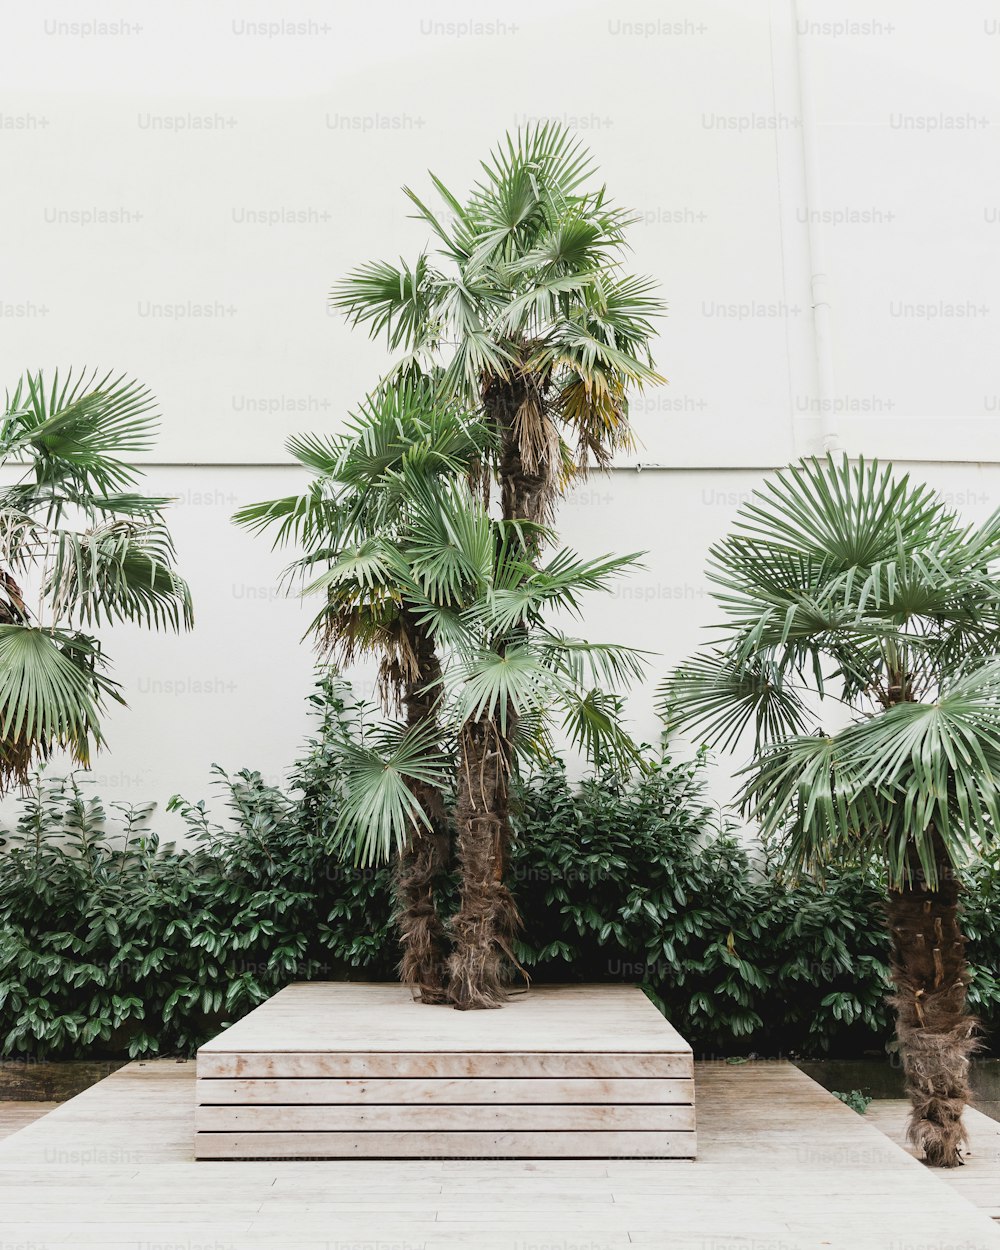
(979, 1180)
(783, 1166)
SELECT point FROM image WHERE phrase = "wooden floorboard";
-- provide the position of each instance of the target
(978, 1180)
(458, 1143)
(449, 1064)
(432, 1117)
(419, 1090)
(783, 1166)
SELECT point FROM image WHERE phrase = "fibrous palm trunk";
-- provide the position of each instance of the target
(934, 1030)
(528, 456)
(424, 862)
(484, 928)
(486, 921)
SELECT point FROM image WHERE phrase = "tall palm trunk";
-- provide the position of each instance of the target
(423, 863)
(934, 1030)
(484, 928)
(487, 919)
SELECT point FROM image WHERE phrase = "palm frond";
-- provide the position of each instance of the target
(50, 697)
(843, 515)
(521, 592)
(502, 685)
(78, 426)
(380, 812)
(396, 301)
(119, 570)
(450, 541)
(454, 239)
(320, 515)
(592, 721)
(938, 764)
(584, 663)
(803, 788)
(371, 563)
(721, 697)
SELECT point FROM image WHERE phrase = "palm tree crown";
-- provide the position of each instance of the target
(850, 593)
(527, 308)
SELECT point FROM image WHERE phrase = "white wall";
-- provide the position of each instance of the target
(186, 165)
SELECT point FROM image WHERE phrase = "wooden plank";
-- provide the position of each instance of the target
(444, 1090)
(978, 1181)
(329, 1063)
(458, 1145)
(451, 1117)
(377, 1017)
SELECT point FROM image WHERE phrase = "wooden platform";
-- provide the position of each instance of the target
(336, 1070)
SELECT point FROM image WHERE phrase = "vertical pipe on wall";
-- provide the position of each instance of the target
(819, 282)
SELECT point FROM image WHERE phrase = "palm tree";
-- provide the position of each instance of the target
(353, 523)
(860, 639)
(112, 562)
(529, 317)
(527, 308)
(508, 679)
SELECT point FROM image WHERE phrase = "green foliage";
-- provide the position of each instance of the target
(115, 944)
(118, 945)
(981, 926)
(842, 583)
(114, 562)
(616, 881)
(636, 881)
(854, 1099)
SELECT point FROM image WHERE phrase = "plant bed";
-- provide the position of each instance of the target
(879, 1079)
(335, 1070)
(33, 1080)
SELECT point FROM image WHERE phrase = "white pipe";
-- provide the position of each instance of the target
(819, 282)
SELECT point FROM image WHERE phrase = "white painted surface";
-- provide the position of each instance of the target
(690, 111)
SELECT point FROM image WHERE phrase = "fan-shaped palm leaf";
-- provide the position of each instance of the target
(50, 696)
(76, 427)
(119, 570)
(379, 813)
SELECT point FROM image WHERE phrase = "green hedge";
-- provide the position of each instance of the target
(142, 949)
(135, 948)
(620, 881)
